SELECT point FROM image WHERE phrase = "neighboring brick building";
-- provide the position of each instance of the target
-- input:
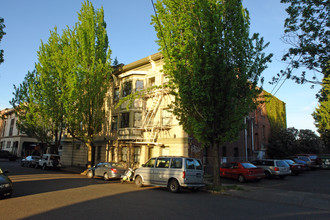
(131, 136)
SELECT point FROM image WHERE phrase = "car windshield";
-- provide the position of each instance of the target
(248, 165)
(289, 162)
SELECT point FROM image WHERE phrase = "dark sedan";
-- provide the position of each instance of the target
(295, 168)
(30, 161)
(6, 154)
(106, 170)
(6, 186)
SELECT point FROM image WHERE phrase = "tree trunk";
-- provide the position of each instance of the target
(90, 154)
(216, 163)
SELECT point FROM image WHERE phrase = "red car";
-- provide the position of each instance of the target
(241, 171)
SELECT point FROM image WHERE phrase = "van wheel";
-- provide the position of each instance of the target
(174, 186)
(241, 179)
(138, 181)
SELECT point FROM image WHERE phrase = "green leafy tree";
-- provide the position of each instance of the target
(26, 102)
(89, 75)
(214, 66)
(69, 87)
(51, 75)
(283, 143)
(321, 114)
(309, 142)
(39, 100)
(2, 33)
(307, 31)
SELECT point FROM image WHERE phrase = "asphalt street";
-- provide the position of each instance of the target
(65, 194)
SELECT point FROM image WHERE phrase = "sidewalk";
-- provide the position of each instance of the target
(305, 199)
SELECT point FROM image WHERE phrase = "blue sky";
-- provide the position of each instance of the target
(131, 37)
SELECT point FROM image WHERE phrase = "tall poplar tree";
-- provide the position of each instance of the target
(69, 87)
(89, 75)
(214, 66)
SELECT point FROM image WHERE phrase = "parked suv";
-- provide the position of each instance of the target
(273, 167)
(49, 161)
(171, 172)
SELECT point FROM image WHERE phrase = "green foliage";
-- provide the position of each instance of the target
(89, 73)
(309, 142)
(72, 78)
(276, 112)
(213, 65)
(290, 141)
(321, 114)
(2, 33)
(26, 102)
(307, 31)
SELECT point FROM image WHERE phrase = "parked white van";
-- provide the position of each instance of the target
(172, 172)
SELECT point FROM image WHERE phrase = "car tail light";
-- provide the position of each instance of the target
(113, 170)
(183, 174)
(276, 169)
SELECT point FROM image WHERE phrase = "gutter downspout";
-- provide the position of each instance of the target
(245, 137)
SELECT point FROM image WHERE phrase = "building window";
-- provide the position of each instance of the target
(139, 85)
(124, 154)
(166, 117)
(137, 119)
(137, 152)
(151, 82)
(12, 122)
(127, 88)
(8, 144)
(4, 128)
(116, 94)
(112, 151)
(114, 123)
(124, 120)
(98, 157)
(77, 146)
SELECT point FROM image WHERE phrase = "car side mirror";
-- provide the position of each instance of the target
(6, 171)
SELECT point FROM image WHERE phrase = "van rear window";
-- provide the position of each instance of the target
(176, 163)
(190, 164)
(198, 165)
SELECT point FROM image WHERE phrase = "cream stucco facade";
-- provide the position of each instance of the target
(133, 135)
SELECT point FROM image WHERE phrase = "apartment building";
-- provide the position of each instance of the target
(11, 139)
(146, 128)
